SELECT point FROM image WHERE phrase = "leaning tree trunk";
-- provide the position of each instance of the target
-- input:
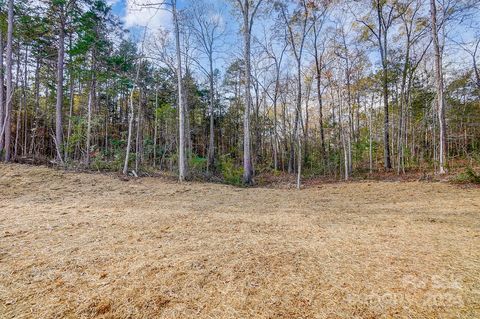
(275, 120)
(439, 89)
(131, 112)
(130, 128)
(402, 111)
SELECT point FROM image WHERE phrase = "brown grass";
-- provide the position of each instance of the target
(93, 246)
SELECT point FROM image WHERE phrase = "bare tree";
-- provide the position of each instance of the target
(277, 58)
(385, 17)
(472, 48)
(297, 43)
(248, 9)
(343, 52)
(319, 17)
(131, 108)
(207, 29)
(182, 159)
(474, 60)
(414, 30)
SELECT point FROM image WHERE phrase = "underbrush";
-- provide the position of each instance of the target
(469, 176)
(230, 172)
(227, 169)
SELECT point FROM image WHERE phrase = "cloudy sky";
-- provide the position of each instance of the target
(134, 15)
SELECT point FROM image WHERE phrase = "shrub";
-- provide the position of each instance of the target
(231, 173)
(469, 176)
(197, 164)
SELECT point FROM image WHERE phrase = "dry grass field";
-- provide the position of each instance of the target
(93, 246)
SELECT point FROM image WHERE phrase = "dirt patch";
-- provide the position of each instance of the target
(93, 246)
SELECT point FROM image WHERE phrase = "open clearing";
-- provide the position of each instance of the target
(92, 246)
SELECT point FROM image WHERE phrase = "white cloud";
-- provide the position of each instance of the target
(112, 2)
(144, 14)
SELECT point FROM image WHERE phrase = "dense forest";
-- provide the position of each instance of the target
(232, 89)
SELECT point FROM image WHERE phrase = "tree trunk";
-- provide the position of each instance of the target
(306, 123)
(298, 111)
(475, 66)
(20, 107)
(155, 129)
(89, 125)
(370, 157)
(181, 109)
(130, 128)
(2, 107)
(342, 136)
(382, 43)
(439, 89)
(247, 160)
(24, 101)
(350, 130)
(59, 103)
(37, 105)
(70, 109)
(139, 137)
(401, 116)
(9, 98)
(186, 113)
(275, 120)
(131, 113)
(318, 68)
(211, 143)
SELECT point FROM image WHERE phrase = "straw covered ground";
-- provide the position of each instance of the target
(78, 245)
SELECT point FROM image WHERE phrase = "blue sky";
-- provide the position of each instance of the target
(118, 7)
(135, 18)
(132, 14)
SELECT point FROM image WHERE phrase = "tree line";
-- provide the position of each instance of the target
(305, 87)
